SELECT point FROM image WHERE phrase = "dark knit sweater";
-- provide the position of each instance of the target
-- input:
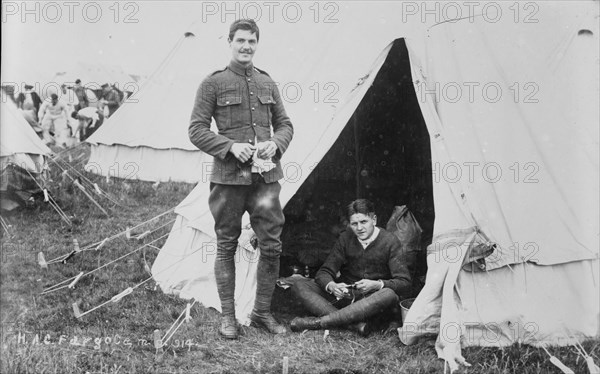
(382, 259)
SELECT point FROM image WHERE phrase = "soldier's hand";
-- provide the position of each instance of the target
(266, 150)
(242, 151)
(368, 285)
(339, 290)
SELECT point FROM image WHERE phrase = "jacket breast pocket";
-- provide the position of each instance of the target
(266, 112)
(227, 108)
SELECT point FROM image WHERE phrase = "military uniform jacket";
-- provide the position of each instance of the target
(247, 108)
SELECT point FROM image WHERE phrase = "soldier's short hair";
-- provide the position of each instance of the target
(363, 206)
(244, 24)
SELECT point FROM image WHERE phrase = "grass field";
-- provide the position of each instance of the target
(40, 333)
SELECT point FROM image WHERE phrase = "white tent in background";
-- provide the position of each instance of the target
(513, 104)
(147, 137)
(22, 156)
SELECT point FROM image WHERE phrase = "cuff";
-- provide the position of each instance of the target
(381, 284)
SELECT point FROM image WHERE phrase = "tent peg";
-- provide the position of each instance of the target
(101, 244)
(42, 260)
(157, 340)
(77, 278)
(143, 235)
(76, 310)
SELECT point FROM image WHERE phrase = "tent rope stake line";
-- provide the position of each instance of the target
(53, 288)
(86, 182)
(100, 244)
(71, 282)
(185, 316)
(592, 367)
(118, 297)
(115, 299)
(50, 200)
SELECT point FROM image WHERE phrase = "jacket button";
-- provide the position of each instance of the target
(254, 124)
(251, 93)
(253, 108)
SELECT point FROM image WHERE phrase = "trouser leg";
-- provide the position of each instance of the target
(46, 127)
(362, 309)
(62, 132)
(267, 219)
(226, 203)
(313, 298)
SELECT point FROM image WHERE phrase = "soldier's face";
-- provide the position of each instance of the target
(363, 225)
(243, 46)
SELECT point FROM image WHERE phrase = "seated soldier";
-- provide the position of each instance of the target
(372, 278)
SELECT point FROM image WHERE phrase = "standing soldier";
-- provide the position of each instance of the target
(246, 106)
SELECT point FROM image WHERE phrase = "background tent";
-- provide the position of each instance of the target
(22, 157)
(530, 137)
(141, 140)
(541, 238)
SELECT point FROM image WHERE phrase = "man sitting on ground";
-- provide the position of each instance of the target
(372, 278)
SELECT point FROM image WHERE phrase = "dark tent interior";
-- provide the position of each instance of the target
(383, 154)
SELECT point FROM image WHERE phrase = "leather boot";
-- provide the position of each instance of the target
(267, 321)
(229, 328)
(361, 328)
(395, 320)
(305, 323)
(225, 276)
(267, 274)
(361, 310)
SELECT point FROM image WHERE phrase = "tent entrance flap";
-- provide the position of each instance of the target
(383, 154)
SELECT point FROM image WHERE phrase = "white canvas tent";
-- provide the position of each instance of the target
(541, 284)
(147, 138)
(22, 156)
(511, 109)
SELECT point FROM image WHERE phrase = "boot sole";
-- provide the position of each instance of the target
(229, 336)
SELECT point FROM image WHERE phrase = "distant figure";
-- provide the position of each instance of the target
(83, 101)
(71, 102)
(29, 101)
(53, 114)
(90, 119)
(111, 98)
(8, 91)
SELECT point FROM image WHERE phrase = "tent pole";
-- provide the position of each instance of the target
(356, 153)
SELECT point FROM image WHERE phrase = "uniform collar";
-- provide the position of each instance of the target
(240, 69)
(371, 239)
